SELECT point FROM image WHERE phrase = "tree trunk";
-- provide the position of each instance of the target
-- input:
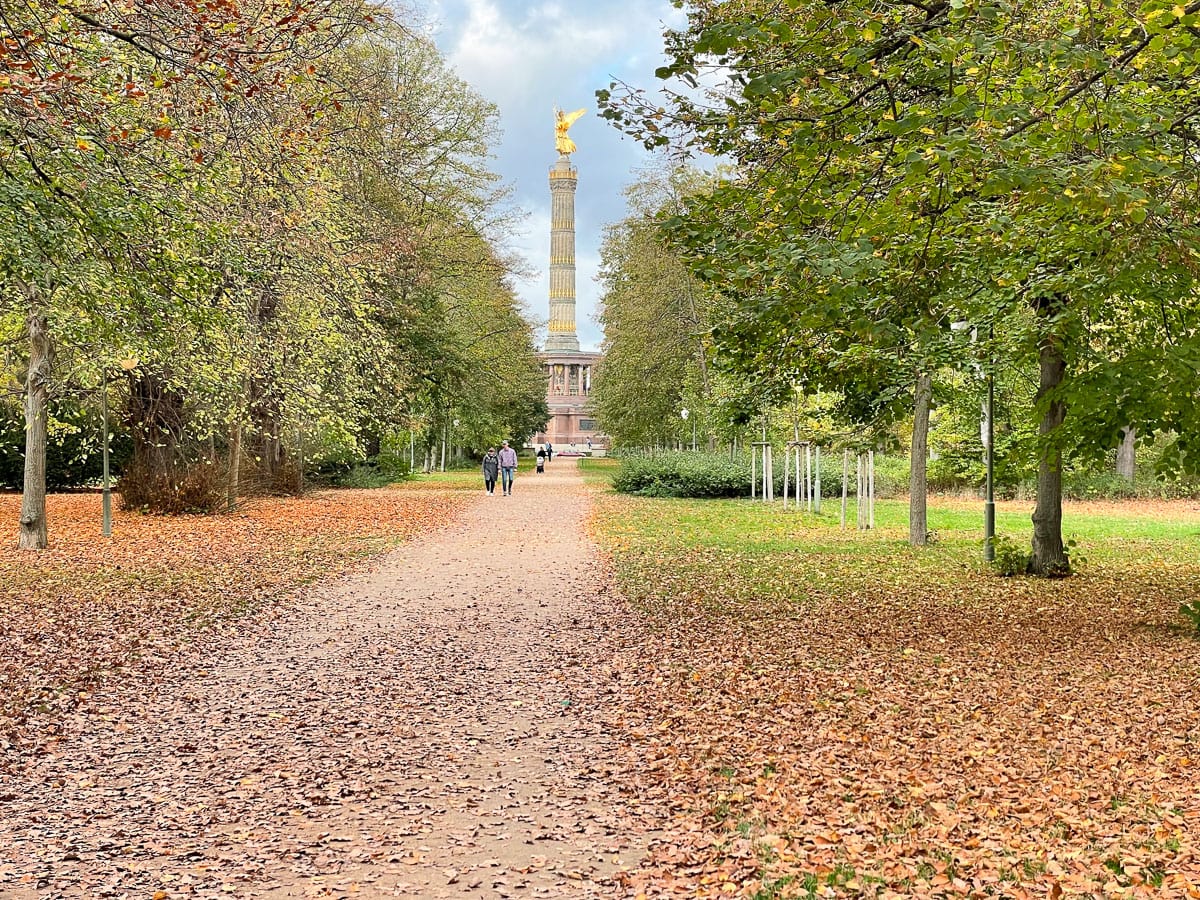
(33, 534)
(156, 416)
(918, 521)
(1126, 460)
(372, 444)
(1049, 555)
(265, 401)
(233, 485)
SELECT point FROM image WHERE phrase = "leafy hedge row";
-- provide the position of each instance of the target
(701, 475)
(683, 475)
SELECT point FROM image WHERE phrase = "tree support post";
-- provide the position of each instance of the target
(753, 472)
(859, 511)
(845, 482)
(787, 466)
(768, 474)
(761, 451)
(817, 480)
(808, 474)
(989, 501)
(871, 489)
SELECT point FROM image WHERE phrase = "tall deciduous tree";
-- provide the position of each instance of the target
(656, 316)
(1038, 159)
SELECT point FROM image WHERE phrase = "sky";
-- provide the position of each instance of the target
(528, 58)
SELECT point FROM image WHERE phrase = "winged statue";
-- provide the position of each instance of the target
(562, 123)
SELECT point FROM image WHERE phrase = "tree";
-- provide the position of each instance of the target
(283, 212)
(656, 317)
(1033, 158)
(100, 95)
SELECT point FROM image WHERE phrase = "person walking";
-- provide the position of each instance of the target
(541, 460)
(491, 468)
(508, 468)
(549, 452)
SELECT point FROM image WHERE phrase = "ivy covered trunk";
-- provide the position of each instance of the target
(264, 440)
(918, 522)
(233, 478)
(1126, 454)
(33, 534)
(1049, 555)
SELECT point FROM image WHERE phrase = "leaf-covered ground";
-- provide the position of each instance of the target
(88, 606)
(833, 714)
(433, 726)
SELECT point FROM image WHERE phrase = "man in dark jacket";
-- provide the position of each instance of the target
(491, 468)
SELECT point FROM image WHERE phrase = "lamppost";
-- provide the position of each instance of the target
(683, 414)
(989, 450)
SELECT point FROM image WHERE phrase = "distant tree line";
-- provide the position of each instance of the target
(267, 230)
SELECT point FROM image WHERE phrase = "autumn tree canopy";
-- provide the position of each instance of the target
(279, 215)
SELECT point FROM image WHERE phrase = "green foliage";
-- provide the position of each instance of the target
(73, 453)
(1011, 558)
(899, 167)
(656, 316)
(697, 475)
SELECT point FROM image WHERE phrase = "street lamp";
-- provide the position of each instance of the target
(683, 414)
(989, 450)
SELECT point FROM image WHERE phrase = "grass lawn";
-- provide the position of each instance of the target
(834, 713)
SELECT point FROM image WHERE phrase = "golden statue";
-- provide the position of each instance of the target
(562, 123)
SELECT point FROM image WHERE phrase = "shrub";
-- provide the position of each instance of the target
(346, 470)
(1011, 558)
(367, 476)
(186, 488)
(73, 454)
(697, 475)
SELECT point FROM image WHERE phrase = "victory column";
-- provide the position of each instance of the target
(568, 368)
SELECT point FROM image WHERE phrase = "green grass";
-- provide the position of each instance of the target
(723, 553)
(599, 470)
(1166, 531)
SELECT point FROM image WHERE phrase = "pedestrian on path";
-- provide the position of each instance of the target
(541, 460)
(491, 468)
(508, 468)
(549, 451)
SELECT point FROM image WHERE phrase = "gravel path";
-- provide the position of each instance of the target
(432, 728)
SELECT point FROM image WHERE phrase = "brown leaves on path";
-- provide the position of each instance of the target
(911, 734)
(89, 606)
